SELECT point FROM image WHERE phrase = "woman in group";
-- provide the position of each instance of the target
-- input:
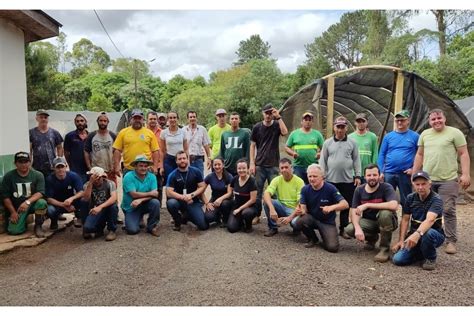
(172, 140)
(219, 206)
(244, 188)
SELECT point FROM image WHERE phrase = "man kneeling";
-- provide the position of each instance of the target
(99, 207)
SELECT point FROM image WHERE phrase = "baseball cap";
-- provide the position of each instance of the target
(42, 112)
(137, 112)
(307, 114)
(403, 113)
(22, 156)
(221, 111)
(161, 114)
(267, 107)
(420, 174)
(340, 121)
(59, 161)
(97, 171)
(81, 115)
(361, 116)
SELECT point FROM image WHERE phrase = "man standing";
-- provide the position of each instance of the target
(424, 211)
(215, 132)
(63, 193)
(184, 189)
(341, 164)
(366, 142)
(265, 150)
(397, 155)
(45, 144)
(162, 121)
(198, 143)
(374, 211)
(99, 206)
(74, 147)
(133, 141)
(235, 144)
(438, 150)
(98, 151)
(319, 203)
(304, 145)
(22, 192)
(140, 196)
(153, 125)
(287, 189)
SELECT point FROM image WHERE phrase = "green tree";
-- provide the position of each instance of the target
(174, 87)
(130, 67)
(98, 102)
(378, 32)
(61, 44)
(252, 48)
(86, 55)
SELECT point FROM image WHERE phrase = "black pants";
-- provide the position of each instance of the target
(328, 232)
(245, 217)
(220, 213)
(347, 192)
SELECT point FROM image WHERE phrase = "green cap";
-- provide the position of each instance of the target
(403, 113)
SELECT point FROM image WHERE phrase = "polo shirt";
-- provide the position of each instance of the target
(418, 210)
(287, 192)
(134, 142)
(315, 199)
(132, 183)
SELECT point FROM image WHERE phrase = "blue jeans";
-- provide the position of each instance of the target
(169, 164)
(132, 218)
(301, 172)
(55, 211)
(96, 223)
(198, 163)
(263, 174)
(281, 210)
(425, 249)
(193, 211)
(402, 181)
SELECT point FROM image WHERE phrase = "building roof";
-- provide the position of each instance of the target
(36, 24)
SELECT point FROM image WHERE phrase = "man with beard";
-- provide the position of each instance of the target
(74, 147)
(133, 141)
(45, 144)
(153, 123)
(374, 211)
(184, 189)
(98, 151)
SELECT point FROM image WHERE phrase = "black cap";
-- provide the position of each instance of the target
(22, 156)
(267, 107)
(137, 112)
(420, 174)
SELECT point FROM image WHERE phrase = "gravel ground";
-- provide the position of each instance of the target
(218, 268)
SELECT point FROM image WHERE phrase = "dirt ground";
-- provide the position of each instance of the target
(216, 268)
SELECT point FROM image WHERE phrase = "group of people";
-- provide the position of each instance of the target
(344, 174)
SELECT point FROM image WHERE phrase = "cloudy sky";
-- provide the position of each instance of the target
(192, 43)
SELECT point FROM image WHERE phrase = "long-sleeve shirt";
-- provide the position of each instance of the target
(397, 152)
(340, 160)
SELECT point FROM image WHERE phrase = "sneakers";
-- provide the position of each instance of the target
(77, 222)
(256, 220)
(311, 243)
(39, 231)
(383, 255)
(271, 232)
(155, 232)
(429, 265)
(450, 248)
(53, 226)
(110, 236)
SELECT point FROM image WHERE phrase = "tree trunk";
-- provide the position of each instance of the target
(441, 23)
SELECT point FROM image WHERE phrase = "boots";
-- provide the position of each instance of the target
(39, 219)
(385, 240)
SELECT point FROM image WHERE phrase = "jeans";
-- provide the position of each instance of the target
(244, 217)
(263, 174)
(281, 210)
(169, 164)
(449, 191)
(219, 213)
(328, 232)
(402, 181)
(96, 223)
(193, 212)
(385, 224)
(132, 218)
(425, 249)
(198, 163)
(347, 192)
(55, 211)
(301, 172)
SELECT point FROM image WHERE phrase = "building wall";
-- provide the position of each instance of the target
(13, 106)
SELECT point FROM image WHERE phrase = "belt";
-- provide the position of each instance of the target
(195, 157)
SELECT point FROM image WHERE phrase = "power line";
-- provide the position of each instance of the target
(105, 30)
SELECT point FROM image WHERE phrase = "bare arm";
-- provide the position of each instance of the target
(60, 150)
(117, 156)
(465, 179)
(402, 233)
(155, 156)
(88, 160)
(414, 238)
(417, 165)
(253, 199)
(252, 157)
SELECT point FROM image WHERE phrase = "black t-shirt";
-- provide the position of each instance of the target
(242, 193)
(267, 140)
(384, 193)
(218, 186)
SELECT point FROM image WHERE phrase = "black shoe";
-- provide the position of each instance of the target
(311, 243)
(62, 217)
(248, 229)
(53, 226)
(177, 228)
(343, 234)
(271, 232)
(39, 231)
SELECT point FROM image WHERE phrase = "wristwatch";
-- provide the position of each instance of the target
(420, 232)
(28, 202)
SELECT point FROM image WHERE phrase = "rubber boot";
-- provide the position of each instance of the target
(384, 253)
(39, 219)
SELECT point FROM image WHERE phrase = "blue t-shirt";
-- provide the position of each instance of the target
(188, 179)
(218, 187)
(419, 209)
(315, 199)
(75, 146)
(63, 189)
(397, 152)
(132, 183)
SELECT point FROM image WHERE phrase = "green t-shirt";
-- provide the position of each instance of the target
(215, 134)
(19, 188)
(288, 193)
(368, 149)
(440, 158)
(234, 145)
(306, 145)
